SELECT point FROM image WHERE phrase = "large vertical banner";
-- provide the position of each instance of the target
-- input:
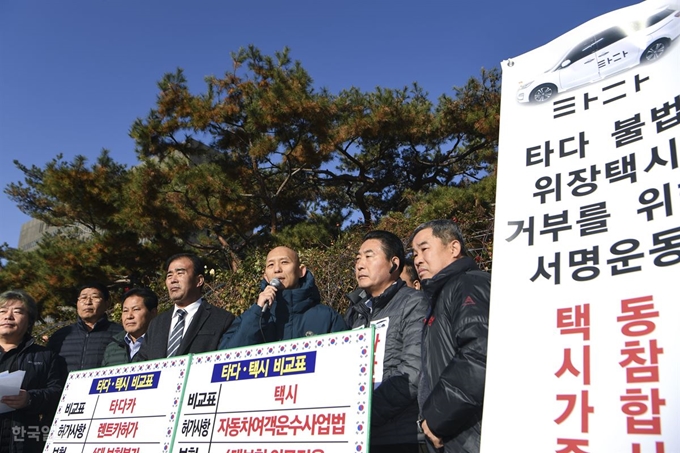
(584, 350)
(308, 395)
(130, 408)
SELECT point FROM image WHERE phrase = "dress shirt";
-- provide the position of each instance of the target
(134, 345)
(191, 310)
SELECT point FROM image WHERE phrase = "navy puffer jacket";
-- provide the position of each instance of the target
(295, 313)
(82, 348)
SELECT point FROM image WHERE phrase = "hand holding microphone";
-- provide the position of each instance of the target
(267, 297)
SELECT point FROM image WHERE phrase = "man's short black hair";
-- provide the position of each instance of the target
(446, 230)
(96, 285)
(148, 296)
(410, 268)
(199, 268)
(390, 244)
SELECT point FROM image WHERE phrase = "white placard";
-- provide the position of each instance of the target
(10, 384)
(381, 326)
(132, 407)
(379, 340)
(583, 347)
(305, 394)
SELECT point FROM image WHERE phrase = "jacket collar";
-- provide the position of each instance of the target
(26, 342)
(101, 324)
(359, 296)
(298, 299)
(119, 337)
(432, 286)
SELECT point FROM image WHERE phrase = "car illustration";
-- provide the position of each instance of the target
(611, 51)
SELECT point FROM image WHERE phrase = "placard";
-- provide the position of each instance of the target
(583, 345)
(305, 395)
(131, 408)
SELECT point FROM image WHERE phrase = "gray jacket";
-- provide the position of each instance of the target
(394, 406)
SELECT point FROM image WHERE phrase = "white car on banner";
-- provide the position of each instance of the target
(608, 52)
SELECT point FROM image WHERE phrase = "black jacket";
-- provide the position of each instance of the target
(81, 348)
(44, 381)
(454, 354)
(295, 313)
(203, 334)
(394, 406)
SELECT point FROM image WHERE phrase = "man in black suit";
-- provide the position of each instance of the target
(193, 325)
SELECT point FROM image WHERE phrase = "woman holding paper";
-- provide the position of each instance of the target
(35, 372)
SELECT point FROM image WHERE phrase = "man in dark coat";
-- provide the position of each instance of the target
(383, 299)
(451, 390)
(292, 310)
(24, 428)
(193, 325)
(140, 306)
(410, 275)
(83, 343)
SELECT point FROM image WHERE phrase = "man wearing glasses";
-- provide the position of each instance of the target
(82, 344)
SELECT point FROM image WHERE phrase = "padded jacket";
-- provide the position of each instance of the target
(295, 313)
(44, 380)
(394, 406)
(117, 352)
(82, 348)
(454, 354)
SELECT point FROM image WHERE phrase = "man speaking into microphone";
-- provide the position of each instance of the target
(288, 306)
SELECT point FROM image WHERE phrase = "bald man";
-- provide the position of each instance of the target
(288, 309)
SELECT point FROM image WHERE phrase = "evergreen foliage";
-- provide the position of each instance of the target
(261, 158)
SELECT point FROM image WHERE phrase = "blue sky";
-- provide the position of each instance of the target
(74, 75)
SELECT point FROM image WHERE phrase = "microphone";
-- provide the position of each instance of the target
(276, 283)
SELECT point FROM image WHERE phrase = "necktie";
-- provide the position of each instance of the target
(176, 335)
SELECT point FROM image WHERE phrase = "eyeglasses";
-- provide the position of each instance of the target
(92, 298)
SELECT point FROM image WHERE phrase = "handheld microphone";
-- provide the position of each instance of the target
(276, 283)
